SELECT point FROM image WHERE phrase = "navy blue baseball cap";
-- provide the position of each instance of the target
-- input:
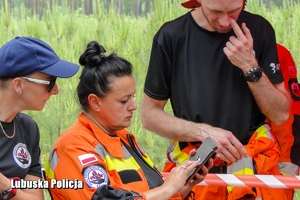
(22, 56)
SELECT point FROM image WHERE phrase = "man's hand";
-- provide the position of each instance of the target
(230, 148)
(239, 48)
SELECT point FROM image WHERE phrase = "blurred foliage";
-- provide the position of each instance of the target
(137, 8)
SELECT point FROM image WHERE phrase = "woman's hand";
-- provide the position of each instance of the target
(204, 170)
(176, 179)
(199, 177)
(4, 183)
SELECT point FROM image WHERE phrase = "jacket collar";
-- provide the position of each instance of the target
(112, 144)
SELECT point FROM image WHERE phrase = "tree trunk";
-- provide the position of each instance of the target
(11, 5)
(138, 8)
(120, 7)
(50, 4)
(147, 7)
(88, 7)
(77, 4)
(43, 6)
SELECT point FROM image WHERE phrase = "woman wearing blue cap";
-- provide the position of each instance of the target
(28, 71)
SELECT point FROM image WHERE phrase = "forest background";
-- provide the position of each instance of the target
(122, 26)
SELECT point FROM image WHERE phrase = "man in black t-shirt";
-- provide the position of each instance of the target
(218, 66)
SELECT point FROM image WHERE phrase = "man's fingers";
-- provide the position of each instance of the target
(247, 33)
(231, 154)
(230, 45)
(223, 157)
(241, 32)
(239, 147)
(232, 151)
(192, 152)
(237, 30)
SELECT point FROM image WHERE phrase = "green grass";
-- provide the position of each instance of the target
(68, 33)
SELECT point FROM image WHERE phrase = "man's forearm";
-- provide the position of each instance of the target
(169, 126)
(273, 100)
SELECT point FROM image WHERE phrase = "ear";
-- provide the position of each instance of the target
(94, 102)
(17, 85)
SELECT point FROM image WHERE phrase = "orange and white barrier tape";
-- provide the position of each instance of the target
(263, 181)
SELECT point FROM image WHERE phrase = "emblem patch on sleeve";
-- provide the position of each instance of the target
(294, 89)
(95, 176)
(21, 155)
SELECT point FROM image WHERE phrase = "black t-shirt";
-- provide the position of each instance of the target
(20, 155)
(188, 66)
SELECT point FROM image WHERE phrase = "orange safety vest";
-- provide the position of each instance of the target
(264, 153)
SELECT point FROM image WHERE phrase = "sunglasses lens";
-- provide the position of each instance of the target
(51, 85)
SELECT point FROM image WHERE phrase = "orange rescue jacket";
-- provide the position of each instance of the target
(103, 163)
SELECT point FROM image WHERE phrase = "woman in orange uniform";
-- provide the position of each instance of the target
(98, 150)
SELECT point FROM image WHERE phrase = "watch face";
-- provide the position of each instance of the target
(255, 77)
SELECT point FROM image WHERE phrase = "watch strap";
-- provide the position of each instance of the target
(253, 75)
(10, 192)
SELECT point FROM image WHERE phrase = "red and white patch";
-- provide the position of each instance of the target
(87, 159)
